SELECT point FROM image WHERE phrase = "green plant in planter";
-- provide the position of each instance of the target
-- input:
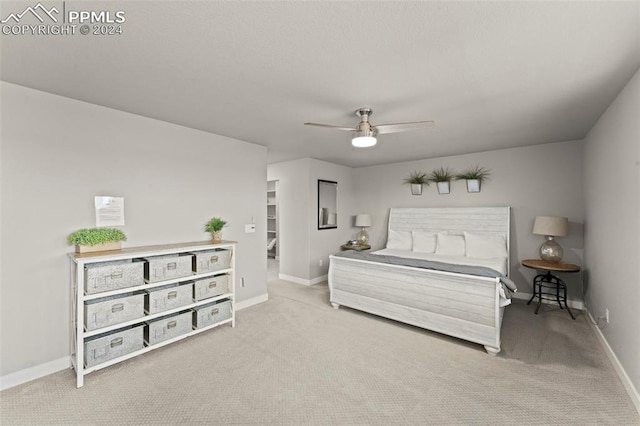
(215, 225)
(474, 177)
(478, 173)
(440, 175)
(417, 178)
(93, 236)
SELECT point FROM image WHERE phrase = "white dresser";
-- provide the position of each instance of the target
(130, 301)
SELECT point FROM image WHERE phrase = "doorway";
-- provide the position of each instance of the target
(273, 246)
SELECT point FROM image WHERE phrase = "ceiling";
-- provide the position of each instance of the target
(491, 75)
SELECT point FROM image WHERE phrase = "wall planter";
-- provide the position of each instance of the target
(442, 177)
(473, 185)
(416, 180)
(474, 177)
(443, 187)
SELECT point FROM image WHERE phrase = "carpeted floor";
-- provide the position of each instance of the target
(294, 360)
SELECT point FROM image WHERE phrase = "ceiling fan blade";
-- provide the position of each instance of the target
(403, 127)
(350, 129)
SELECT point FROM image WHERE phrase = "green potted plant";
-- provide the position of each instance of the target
(474, 177)
(215, 226)
(442, 177)
(96, 239)
(416, 179)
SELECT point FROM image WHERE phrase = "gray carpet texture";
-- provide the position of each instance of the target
(295, 360)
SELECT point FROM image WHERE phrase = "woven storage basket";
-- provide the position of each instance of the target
(210, 287)
(106, 276)
(211, 313)
(168, 297)
(211, 260)
(161, 268)
(112, 310)
(168, 327)
(107, 346)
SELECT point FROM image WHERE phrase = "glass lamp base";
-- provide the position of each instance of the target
(551, 251)
(363, 237)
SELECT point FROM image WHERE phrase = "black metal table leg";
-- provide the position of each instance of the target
(535, 280)
(537, 283)
(548, 281)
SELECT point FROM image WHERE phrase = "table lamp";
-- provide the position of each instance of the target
(551, 226)
(363, 220)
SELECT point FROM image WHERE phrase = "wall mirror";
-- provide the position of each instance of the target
(327, 204)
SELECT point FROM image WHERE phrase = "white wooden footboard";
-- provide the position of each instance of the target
(463, 306)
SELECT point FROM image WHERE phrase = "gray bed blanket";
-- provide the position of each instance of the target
(480, 271)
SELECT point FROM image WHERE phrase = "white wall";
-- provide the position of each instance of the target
(57, 154)
(535, 180)
(293, 208)
(612, 225)
(302, 245)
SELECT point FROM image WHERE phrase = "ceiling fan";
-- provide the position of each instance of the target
(364, 134)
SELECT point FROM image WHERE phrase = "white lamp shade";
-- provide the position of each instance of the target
(364, 138)
(551, 226)
(363, 141)
(363, 220)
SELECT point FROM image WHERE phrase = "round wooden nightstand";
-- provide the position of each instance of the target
(549, 281)
(356, 248)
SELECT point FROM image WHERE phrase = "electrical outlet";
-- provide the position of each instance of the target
(606, 315)
(320, 262)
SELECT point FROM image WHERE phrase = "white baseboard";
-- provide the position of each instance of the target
(622, 374)
(303, 281)
(32, 373)
(319, 279)
(293, 279)
(253, 301)
(574, 304)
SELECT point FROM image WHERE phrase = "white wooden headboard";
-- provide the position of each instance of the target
(455, 220)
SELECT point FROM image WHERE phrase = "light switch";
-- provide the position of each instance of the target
(250, 228)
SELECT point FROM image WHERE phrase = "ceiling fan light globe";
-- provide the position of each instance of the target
(363, 141)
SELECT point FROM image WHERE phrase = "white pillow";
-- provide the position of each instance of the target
(450, 244)
(400, 240)
(485, 246)
(423, 241)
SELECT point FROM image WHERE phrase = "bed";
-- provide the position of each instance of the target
(443, 269)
